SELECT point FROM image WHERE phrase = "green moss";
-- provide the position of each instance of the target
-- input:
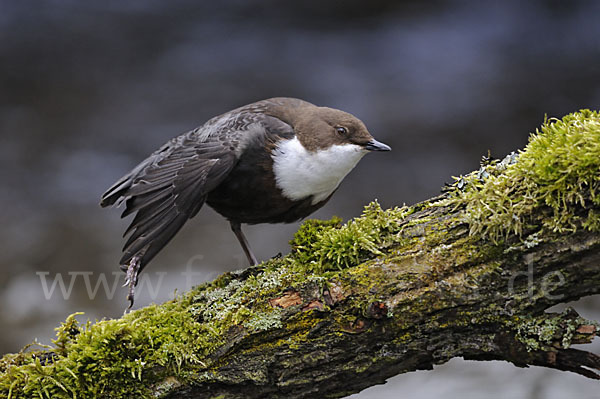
(323, 246)
(112, 358)
(160, 345)
(592, 221)
(556, 171)
(308, 233)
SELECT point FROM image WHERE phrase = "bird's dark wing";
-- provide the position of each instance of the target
(171, 185)
(167, 189)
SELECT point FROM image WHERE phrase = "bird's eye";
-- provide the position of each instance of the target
(342, 131)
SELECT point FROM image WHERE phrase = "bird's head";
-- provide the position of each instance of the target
(319, 128)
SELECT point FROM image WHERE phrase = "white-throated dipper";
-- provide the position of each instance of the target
(272, 161)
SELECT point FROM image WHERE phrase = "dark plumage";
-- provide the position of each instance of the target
(229, 163)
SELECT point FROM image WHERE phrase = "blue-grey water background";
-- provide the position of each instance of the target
(88, 89)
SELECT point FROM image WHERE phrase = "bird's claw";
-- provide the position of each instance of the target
(131, 279)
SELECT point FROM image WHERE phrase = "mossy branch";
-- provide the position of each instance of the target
(467, 274)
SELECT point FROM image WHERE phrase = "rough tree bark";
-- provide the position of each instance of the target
(423, 285)
(455, 297)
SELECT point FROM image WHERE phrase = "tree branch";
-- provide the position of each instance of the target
(460, 275)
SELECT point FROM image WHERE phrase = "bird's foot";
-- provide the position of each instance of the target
(279, 255)
(131, 279)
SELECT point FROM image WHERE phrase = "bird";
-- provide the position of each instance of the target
(273, 161)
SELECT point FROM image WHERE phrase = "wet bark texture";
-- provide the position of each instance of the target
(437, 294)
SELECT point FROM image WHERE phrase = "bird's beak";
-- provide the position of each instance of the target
(375, 145)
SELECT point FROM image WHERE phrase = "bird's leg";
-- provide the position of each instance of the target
(131, 278)
(237, 230)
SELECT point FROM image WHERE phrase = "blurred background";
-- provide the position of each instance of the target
(88, 89)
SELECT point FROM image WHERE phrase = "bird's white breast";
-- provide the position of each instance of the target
(300, 173)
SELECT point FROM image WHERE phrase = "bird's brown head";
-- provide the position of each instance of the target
(319, 128)
(331, 126)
